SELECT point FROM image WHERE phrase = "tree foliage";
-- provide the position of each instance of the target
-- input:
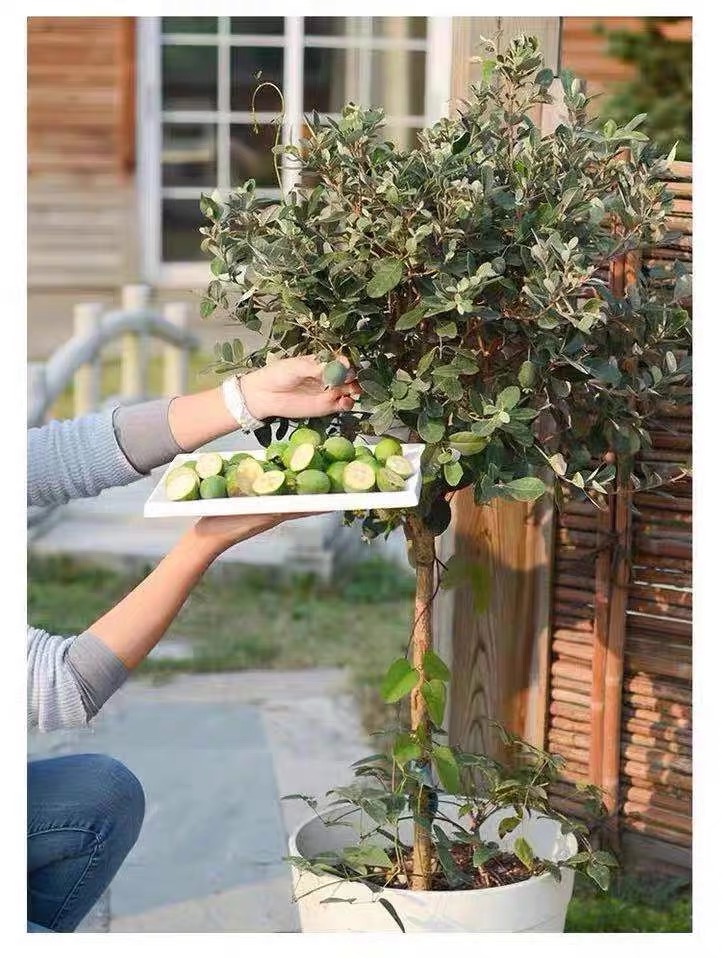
(465, 279)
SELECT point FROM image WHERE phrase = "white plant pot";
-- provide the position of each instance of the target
(537, 904)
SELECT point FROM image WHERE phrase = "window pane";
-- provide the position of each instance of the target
(181, 240)
(189, 78)
(189, 24)
(401, 27)
(251, 156)
(329, 79)
(397, 81)
(403, 137)
(257, 25)
(333, 77)
(189, 154)
(246, 62)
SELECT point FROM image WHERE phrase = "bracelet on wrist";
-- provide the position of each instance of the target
(235, 403)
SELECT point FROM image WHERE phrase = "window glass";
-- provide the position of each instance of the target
(397, 81)
(189, 78)
(257, 25)
(181, 220)
(189, 24)
(189, 154)
(251, 156)
(246, 63)
(329, 79)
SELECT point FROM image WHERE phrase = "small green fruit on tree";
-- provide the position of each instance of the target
(463, 278)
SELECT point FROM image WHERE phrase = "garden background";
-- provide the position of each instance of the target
(128, 121)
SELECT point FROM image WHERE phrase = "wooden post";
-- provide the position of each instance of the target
(175, 358)
(86, 382)
(133, 347)
(36, 392)
(500, 658)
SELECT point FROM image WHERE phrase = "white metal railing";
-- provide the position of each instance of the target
(77, 361)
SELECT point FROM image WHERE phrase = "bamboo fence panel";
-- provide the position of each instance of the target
(620, 701)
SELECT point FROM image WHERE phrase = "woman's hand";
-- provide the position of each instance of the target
(293, 388)
(215, 534)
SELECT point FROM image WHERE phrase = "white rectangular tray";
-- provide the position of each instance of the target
(157, 506)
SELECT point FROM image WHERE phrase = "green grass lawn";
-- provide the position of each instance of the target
(636, 902)
(250, 620)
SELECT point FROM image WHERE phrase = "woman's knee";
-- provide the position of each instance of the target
(119, 793)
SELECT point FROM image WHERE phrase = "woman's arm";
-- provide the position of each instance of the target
(81, 457)
(70, 679)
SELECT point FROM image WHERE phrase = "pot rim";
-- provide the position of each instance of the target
(407, 892)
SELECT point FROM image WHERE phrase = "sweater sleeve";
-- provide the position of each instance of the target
(69, 679)
(77, 458)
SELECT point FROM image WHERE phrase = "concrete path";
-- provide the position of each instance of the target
(214, 754)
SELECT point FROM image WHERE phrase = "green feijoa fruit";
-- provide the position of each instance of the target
(370, 461)
(527, 374)
(361, 449)
(359, 476)
(209, 464)
(240, 480)
(184, 469)
(236, 458)
(274, 452)
(401, 466)
(335, 474)
(190, 464)
(300, 456)
(334, 373)
(385, 447)
(269, 483)
(312, 482)
(339, 449)
(290, 477)
(182, 486)
(213, 487)
(304, 434)
(389, 481)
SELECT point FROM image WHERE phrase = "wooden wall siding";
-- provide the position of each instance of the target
(80, 95)
(81, 117)
(620, 705)
(585, 52)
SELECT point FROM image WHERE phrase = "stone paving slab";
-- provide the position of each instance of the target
(214, 754)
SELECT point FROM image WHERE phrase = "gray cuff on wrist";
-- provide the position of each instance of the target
(144, 435)
(97, 671)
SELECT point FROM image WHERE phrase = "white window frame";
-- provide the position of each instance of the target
(150, 117)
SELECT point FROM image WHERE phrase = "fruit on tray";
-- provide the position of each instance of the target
(304, 465)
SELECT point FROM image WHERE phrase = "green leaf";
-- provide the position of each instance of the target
(434, 667)
(387, 274)
(412, 318)
(227, 352)
(430, 430)
(453, 473)
(446, 768)
(523, 851)
(605, 858)
(482, 854)
(508, 824)
(405, 749)
(218, 266)
(238, 350)
(508, 398)
(372, 856)
(398, 681)
(467, 443)
(207, 308)
(599, 874)
(434, 694)
(526, 489)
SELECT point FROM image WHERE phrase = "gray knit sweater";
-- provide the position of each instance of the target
(69, 679)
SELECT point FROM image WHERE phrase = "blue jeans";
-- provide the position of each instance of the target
(84, 816)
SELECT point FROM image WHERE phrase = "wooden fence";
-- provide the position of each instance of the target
(586, 645)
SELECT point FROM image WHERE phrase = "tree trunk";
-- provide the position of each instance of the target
(421, 542)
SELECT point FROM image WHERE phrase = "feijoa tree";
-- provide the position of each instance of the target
(465, 280)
